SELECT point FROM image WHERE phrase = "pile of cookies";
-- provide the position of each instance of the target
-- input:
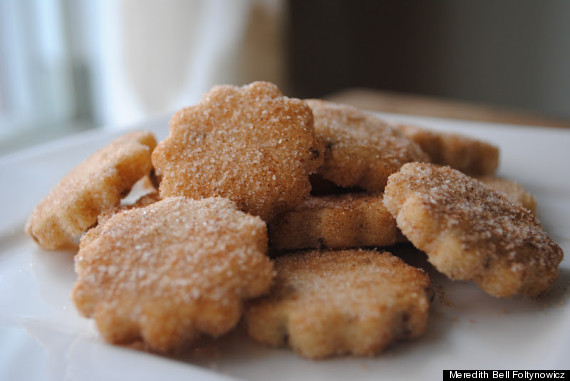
(277, 212)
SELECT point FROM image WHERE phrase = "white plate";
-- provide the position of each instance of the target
(43, 338)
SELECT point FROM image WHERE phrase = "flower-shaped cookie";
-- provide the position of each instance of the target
(169, 271)
(250, 144)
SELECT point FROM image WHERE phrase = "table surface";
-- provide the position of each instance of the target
(399, 103)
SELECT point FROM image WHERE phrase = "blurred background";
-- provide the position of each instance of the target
(71, 65)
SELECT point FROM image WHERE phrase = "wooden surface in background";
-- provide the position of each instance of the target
(385, 101)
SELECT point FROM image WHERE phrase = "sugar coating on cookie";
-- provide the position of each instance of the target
(360, 149)
(167, 272)
(471, 156)
(335, 221)
(326, 303)
(471, 232)
(106, 215)
(512, 190)
(96, 184)
(250, 144)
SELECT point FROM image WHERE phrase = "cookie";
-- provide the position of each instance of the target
(326, 303)
(170, 271)
(250, 144)
(98, 183)
(360, 150)
(335, 221)
(469, 155)
(513, 191)
(471, 232)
